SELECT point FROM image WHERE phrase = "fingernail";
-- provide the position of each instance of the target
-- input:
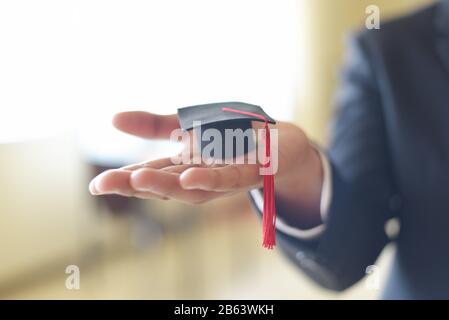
(92, 188)
(184, 182)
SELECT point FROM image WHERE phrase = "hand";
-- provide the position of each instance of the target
(298, 179)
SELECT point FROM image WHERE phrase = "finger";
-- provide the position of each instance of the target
(221, 179)
(156, 164)
(166, 185)
(148, 196)
(178, 168)
(116, 182)
(163, 164)
(146, 125)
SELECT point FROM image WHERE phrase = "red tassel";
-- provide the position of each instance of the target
(269, 205)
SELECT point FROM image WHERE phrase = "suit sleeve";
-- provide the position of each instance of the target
(362, 186)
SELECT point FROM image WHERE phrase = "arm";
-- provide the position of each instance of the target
(361, 183)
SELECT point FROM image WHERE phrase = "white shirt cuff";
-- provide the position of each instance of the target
(326, 196)
(326, 189)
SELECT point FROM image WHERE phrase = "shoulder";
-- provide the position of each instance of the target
(399, 34)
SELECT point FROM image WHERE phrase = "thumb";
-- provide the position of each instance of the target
(145, 124)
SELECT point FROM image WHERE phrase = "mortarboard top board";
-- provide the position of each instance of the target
(222, 116)
(213, 115)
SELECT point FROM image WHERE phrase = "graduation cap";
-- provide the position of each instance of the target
(223, 116)
(236, 115)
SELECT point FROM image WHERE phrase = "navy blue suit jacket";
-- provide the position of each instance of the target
(390, 158)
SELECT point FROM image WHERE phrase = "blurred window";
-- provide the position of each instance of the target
(69, 65)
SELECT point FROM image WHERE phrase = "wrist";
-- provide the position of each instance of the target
(298, 194)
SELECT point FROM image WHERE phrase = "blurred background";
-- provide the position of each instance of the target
(67, 66)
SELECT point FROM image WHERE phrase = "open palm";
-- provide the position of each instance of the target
(190, 183)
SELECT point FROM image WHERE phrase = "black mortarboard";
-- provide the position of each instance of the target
(222, 116)
(237, 115)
